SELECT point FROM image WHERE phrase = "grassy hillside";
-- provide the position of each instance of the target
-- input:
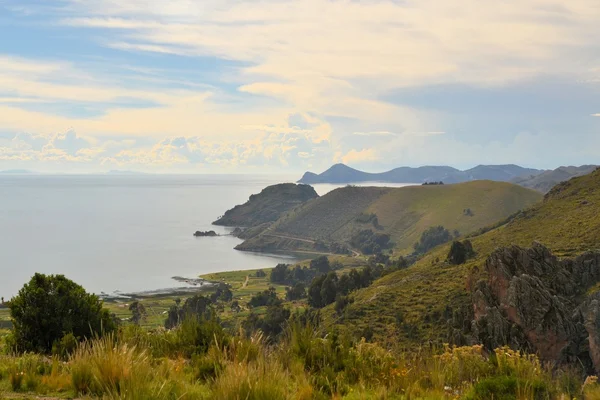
(547, 180)
(415, 305)
(403, 213)
(268, 205)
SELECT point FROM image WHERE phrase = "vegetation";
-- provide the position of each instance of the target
(431, 238)
(402, 213)
(433, 296)
(139, 364)
(268, 205)
(331, 327)
(52, 306)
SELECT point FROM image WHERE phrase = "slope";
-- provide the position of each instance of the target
(403, 213)
(425, 301)
(268, 205)
(547, 180)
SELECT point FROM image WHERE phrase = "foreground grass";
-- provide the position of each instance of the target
(137, 364)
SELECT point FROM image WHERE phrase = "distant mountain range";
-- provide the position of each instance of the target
(541, 180)
(16, 171)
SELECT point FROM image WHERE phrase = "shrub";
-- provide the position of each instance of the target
(260, 273)
(509, 388)
(460, 252)
(138, 312)
(320, 264)
(264, 298)
(65, 307)
(16, 380)
(431, 238)
(65, 346)
(197, 307)
(296, 292)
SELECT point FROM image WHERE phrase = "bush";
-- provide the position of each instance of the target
(369, 242)
(65, 346)
(320, 264)
(431, 238)
(296, 292)
(48, 307)
(265, 298)
(509, 388)
(197, 307)
(260, 273)
(460, 252)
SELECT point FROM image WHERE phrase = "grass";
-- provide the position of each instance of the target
(303, 365)
(403, 213)
(413, 305)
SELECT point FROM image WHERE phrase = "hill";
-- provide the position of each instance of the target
(547, 180)
(506, 294)
(402, 213)
(341, 173)
(268, 205)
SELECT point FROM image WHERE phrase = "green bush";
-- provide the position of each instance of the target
(509, 388)
(49, 306)
(64, 347)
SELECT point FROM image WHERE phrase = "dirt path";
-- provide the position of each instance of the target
(354, 252)
(246, 282)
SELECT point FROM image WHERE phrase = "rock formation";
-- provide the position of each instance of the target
(533, 301)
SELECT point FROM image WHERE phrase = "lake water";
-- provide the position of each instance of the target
(123, 233)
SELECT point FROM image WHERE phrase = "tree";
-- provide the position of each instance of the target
(260, 273)
(460, 252)
(329, 289)
(431, 238)
(314, 292)
(320, 264)
(197, 308)
(279, 273)
(138, 312)
(265, 298)
(51, 306)
(296, 292)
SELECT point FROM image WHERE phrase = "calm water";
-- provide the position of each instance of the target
(126, 233)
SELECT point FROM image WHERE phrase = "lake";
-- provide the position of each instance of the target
(126, 233)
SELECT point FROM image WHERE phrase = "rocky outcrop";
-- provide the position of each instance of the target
(533, 301)
(205, 234)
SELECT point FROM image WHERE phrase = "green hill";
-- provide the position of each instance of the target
(403, 213)
(432, 300)
(268, 205)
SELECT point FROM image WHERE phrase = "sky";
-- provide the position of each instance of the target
(236, 86)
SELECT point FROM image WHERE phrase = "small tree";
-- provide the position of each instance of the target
(138, 312)
(51, 306)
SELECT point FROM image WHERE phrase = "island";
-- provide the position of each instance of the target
(206, 234)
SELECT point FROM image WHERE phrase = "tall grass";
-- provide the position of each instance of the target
(136, 364)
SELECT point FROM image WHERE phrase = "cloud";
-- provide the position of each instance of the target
(281, 83)
(354, 156)
(376, 133)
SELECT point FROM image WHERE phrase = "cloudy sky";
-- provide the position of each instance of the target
(238, 86)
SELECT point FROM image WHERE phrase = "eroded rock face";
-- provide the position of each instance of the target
(533, 301)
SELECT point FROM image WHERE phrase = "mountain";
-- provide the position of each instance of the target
(402, 213)
(533, 284)
(548, 179)
(340, 173)
(268, 205)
